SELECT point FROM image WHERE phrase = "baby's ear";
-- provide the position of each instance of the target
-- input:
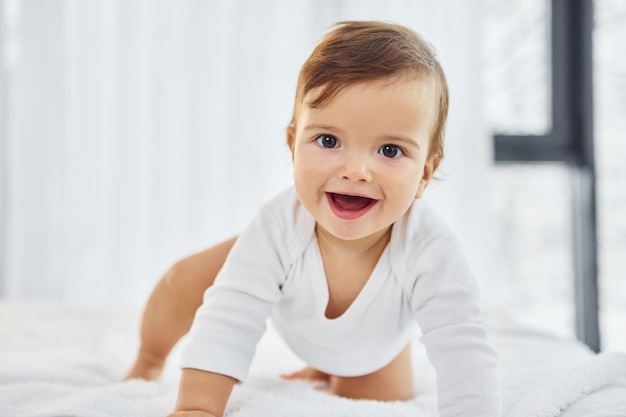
(431, 165)
(291, 137)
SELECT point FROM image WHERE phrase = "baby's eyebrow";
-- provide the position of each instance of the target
(315, 126)
(407, 140)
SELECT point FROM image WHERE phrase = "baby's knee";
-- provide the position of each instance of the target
(393, 382)
(366, 388)
(178, 281)
(172, 277)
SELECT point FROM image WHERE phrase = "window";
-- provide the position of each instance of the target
(540, 105)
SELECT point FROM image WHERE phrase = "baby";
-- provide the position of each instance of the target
(349, 263)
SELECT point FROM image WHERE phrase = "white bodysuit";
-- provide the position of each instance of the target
(275, 269)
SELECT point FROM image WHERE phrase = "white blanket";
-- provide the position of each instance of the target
(276, 398)
(558, 392)
(69, 364)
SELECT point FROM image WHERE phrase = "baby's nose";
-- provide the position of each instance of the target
(356, 168)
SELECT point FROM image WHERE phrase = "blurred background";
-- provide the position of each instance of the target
(135, 132)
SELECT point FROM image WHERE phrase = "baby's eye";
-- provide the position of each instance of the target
(327, 141)
(391, 151)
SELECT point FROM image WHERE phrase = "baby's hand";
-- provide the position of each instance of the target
(307, 374)
(191, 414)
(318, 379)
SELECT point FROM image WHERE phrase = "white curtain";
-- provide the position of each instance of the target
(139, 131)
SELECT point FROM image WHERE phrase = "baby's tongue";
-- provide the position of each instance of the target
(351, 202)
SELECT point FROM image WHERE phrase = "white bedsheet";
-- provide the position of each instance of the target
(62, 362)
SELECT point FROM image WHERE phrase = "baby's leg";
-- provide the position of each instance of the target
(391, 383)
(172, 305)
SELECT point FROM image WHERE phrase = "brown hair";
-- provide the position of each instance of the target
(361, 51)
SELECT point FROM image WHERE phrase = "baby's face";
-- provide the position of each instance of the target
(361, 160)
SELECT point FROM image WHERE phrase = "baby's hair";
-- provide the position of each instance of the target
(362, 51)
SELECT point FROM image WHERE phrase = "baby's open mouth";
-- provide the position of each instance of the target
(350, 202)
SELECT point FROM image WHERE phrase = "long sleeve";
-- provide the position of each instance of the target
(232, 318)
(455, 332)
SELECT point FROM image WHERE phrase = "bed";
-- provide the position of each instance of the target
(57, 361)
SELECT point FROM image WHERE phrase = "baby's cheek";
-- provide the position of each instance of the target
(307, 167)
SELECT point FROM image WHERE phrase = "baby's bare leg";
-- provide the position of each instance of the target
(391, 383)
(171, 307)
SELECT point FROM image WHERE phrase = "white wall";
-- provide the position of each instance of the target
(141, 131)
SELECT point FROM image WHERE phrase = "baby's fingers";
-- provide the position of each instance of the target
(308, 373)
(194, 413)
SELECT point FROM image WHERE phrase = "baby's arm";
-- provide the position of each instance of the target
(456, 333)
(171, 307)
(202, 394)
(232, 318)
